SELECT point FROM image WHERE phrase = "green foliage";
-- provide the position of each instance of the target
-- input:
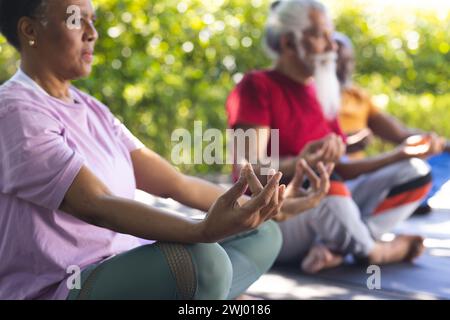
(161, 65)
(405, 51)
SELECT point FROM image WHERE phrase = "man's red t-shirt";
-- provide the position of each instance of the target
(271, 99)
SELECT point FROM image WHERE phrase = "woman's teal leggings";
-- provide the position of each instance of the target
(174, 271)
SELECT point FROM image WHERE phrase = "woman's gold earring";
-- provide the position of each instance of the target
(31, 43)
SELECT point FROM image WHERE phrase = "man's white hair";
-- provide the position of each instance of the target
(288, 16)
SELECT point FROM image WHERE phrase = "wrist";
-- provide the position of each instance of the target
(398, 155)
(200, 233)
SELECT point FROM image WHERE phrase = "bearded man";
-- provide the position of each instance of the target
(300, 96)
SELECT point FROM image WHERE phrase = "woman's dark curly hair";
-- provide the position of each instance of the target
(10, 13)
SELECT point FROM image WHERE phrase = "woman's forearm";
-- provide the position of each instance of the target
(201, 194)
(140, 220)
(197, 193)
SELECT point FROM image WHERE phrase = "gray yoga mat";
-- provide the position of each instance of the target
(428, 277)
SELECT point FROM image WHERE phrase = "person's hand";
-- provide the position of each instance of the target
(422, 146)
(297, 199)
(227, 217)
(328, 150)
(359, 141)
(437, 144)
(447, 147)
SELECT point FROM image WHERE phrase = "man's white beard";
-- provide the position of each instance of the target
(327, 84)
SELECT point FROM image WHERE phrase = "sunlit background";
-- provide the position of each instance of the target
(161, 65)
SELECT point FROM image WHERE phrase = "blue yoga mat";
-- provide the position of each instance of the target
(440, 169)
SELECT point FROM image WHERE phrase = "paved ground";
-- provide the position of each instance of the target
(427, 278)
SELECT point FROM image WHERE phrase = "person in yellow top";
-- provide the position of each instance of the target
(357, 110)
(360, 120)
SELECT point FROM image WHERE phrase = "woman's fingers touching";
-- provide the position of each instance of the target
(275, 210)
(252, 180)
(236, 191)
(269, 210)
(264, 198)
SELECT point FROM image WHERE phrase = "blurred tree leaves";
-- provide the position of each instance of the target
(161, 65)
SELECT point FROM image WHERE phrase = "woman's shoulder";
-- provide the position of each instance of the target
(16, 98)
(14, 91)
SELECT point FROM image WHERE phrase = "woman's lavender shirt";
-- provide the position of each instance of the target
(44, 142)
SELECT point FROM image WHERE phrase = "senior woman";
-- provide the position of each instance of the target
(68, 174)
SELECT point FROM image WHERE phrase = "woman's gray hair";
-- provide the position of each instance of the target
(287, 17)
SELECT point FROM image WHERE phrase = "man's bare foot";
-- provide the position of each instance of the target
(319, 258)
(404, 248)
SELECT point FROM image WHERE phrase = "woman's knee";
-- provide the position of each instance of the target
(270, 242)
(213, 271)
(213, 266)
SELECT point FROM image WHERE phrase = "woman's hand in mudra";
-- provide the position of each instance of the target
(229, 216)
(297, 198)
